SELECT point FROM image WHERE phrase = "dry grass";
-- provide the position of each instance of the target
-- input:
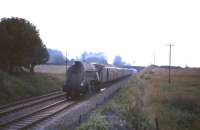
(149, 96)
(53, 69)
(56, 71)
(177, 106)
(25, 85)
(127, 106)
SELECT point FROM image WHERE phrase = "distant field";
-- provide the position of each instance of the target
(55, 69)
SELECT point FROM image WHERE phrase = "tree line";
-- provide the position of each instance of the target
(101, 59)
(21, 47)
(56, 57)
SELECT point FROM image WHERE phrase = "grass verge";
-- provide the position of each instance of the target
(123, 112)
(148, 102)
(26, 85)
(175, 106)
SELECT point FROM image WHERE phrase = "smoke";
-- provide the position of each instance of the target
(94, 57)
(119, 62)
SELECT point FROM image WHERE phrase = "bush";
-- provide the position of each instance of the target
(96, 122)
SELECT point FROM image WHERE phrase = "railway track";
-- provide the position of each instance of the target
(29, 100)
(24, 114)
(27, 113)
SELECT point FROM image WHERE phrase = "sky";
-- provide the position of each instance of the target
(133, 29)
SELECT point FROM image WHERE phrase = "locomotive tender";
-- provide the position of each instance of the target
(83, 78)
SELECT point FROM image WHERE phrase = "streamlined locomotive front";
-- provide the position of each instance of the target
(75, 77)
(80, 79)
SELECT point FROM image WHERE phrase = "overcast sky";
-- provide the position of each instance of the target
(134, 29)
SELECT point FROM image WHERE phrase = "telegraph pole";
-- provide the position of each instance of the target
(154, 58)
(170, 47)
(66, 65)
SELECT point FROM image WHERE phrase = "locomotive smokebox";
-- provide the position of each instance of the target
(74, 77)
(79, 78)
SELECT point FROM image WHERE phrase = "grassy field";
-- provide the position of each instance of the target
(148, 102)
(176, 106)
(25, 85)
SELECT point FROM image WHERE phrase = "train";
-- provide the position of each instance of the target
(86, 78)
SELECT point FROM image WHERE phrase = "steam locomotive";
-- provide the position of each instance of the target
(86, 78)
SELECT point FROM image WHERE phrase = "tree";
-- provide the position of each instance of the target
(20, 45)
(83, 56)
(56, 57)
(118, 61)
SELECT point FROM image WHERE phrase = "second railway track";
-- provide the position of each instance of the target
(28, 113)
(24, 114)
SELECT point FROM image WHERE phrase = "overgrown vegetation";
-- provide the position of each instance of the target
(126, 106)
(25, 85)
(176, 106)
(150, 103)
(97, 122)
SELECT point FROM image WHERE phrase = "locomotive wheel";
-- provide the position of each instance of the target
(74, 95)
(97, 89)
(95, 86)
(67, 94)
(90, 89)
(71, 95)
